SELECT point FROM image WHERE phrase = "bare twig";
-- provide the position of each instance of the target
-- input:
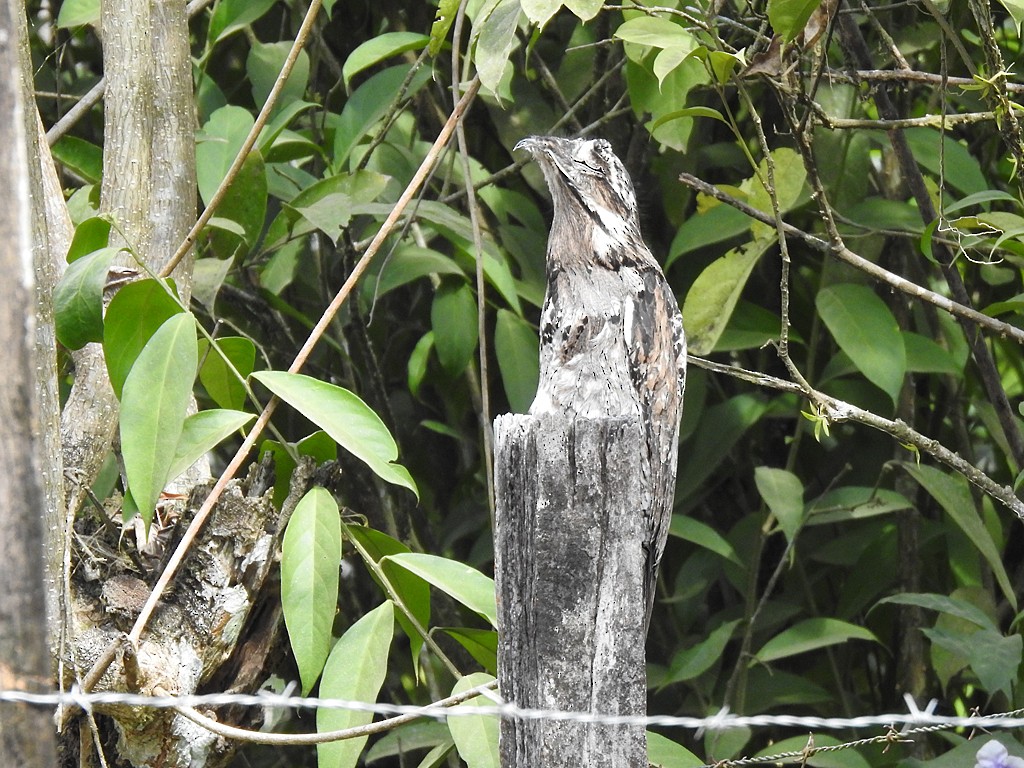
(478, 247)
(910, 76)
(837, 411)
(927, 121)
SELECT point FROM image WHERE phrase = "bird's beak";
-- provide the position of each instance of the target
(531, 144)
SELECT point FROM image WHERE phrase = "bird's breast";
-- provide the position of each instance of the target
(584, 367)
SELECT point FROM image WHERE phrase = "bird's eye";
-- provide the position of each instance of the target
(593, 168)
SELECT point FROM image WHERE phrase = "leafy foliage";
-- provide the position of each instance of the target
(816, 564)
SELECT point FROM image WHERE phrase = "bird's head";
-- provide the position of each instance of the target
(586, 178)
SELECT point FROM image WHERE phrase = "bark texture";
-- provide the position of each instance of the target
(570, 570)
(51, 232)
(194, 635)
(26, 734)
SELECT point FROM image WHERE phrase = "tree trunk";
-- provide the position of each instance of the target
(26, 734)
(569, 565)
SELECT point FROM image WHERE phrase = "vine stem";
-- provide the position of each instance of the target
(104, 661)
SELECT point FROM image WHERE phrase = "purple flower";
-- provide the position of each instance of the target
(994, 755)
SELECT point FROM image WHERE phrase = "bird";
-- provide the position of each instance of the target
(611, 333)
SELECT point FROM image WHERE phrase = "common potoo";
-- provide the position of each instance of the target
(611, 335)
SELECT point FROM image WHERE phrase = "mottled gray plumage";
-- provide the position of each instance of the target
(611, 335)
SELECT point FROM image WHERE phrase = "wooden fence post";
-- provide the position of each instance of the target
(569, 568)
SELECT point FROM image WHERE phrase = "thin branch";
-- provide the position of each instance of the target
(910, 76)
(927, 121)
(843, 253)
(839, 411)
(478, 247)
(185, 544)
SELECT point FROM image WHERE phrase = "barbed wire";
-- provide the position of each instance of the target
(722, 721)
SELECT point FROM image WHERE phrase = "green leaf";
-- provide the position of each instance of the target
(481, 644)
(338, 195)
(154, 402)
(809, 635)
(476, 737)
(866, 330)
(245, 202)
(133, 316)
(202, 432)
(402, 740)
(81, 156)
(994, 658)
(408, 263)
(446, 10)
(355, 671)
(518, 351)
(539, 12)
(229, 16)
(78, 13)
(379, 48)
(954, 497)
(665, 753)
(690, 112)
(697, 659)
(943, 604)
(789, 17)
(783, 492)
(1016, 11)
(495, 37)
(264, 65)
(925, 356)
(985, 196)
(655, 31)
(703, 535)
(367, 106)
(584, 10)
(310, 558)
(668, 60)
(412, 592)
(464, 584)
(418, 362)
(78, 299)
(454, 320)
(846, 758)
(283, 115)
(346, 418)
(720, 427)
(219, 142)
(712, 297)
(91, 235)
(220, 382)
(708, 227)
(789, 176)
(854, 503)
(954, 164)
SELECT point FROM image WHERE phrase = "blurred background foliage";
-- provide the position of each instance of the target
(818, 565)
